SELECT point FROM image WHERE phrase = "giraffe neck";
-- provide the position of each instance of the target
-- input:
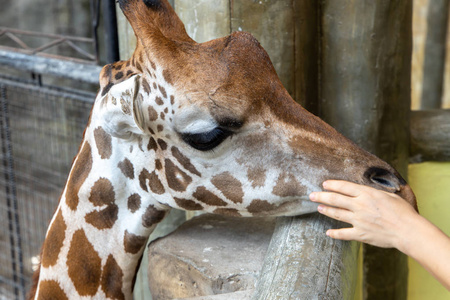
(106, 213)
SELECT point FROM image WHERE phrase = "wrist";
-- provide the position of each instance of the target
(410, 232)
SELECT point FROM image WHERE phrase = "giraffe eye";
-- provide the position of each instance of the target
(205, 141)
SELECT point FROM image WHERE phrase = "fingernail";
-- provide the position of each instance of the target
(312, 196)
(324, 184)
(320, 208)
(328, 233)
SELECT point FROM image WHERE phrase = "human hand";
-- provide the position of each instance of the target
(378, 218)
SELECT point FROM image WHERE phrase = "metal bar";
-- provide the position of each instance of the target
(110, 23)
(48, 35)
(95, 15)
(12, 34)
(17, 40)
(48, 55)
(50, 66)
(46, 46)
(81, 51)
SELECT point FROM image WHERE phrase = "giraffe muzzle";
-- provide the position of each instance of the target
(390, 181)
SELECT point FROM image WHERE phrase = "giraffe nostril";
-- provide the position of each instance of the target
(384, 179)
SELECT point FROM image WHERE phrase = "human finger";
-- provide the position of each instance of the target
(346, 234)
(336, 213)
(332, 199)
(343, 187)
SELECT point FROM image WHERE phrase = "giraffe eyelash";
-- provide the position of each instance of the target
(206, 141)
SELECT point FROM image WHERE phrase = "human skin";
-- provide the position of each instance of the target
(385, 220)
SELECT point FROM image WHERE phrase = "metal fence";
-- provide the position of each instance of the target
(48, 76)
(41, 129)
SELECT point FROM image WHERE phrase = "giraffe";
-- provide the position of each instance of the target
(205, 127)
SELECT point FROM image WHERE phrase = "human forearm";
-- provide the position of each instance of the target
(429, 246)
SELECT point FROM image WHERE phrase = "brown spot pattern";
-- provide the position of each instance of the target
(260, 206)
(160, 128)
(118, 75)
(205, 196)
(167, 76)
(152, 145)
(54, 241)
(102, 193)
(229, 186)
(176, 178)
(50, 290)
(139, 67)
(287, 186)
(103, 142)
(158, 164)
(127, 168)
(159, 101)
(184, 161)
(84, 265)
(188, 204)
(152, 114)
(125, 106)
(163, 91)
(134, 202)
(152, 216)
(105, 218)
(162, 144)
(172, 99)
(155, 184)
(79, 173)
(143, 177)
(146, 86)
(112, 279)
(227, 212)
(257, 176)
(133, 243)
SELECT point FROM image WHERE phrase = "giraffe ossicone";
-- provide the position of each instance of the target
(205, 127)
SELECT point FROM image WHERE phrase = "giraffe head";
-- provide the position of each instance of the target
(221, 132)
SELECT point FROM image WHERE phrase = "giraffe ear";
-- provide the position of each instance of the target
(121, 109)
(154, 21)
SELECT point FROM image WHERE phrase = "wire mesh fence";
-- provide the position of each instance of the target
(41, 129)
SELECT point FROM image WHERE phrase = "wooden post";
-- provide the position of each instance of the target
(204, 19)
(302, 263)
(430, 131)
(365, 94)
(435, 48)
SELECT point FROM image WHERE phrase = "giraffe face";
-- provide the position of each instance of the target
(221, 132)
